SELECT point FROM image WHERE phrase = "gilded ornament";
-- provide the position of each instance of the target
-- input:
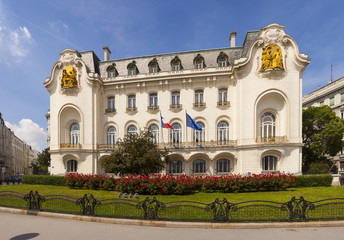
(272, 57)
(69, 77)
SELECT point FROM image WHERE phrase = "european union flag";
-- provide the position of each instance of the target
(191, 123)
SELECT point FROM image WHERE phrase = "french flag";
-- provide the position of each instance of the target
(165, 124)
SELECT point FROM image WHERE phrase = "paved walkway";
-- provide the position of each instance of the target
(23, 227)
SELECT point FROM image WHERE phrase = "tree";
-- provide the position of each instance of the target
(322, 133)
(135, 154)
(41, 163)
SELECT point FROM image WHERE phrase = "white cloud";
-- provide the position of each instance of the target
(30, 132)
(59, 28)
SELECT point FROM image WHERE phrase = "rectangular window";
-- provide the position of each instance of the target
(342, 97)
(153, 100)
(132, 101)
(175, 67)
(331, 101)
(198, 65)
(321, 103)
(222, 95)
(153, 69)
(222, 62)
(132, 71)
(175, 98)
(342, 114)
(199, 96)
(111, 103)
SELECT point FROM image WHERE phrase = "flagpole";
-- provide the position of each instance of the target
(162, 132)
(186, 128)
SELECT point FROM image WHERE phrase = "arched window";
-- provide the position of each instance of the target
(176, 166)
(222, 133)
(111, 135)
(153, 66)
(199, 62)
(111, 72)
(176, 134)
(199, 135)
(154, 130)
(132, 68)
(222, 60)
(72, 166)
(199, 166)
(132, 130)
(269, 163)
(223, 165)
(74, 132)
(268, 130)
(176, 64)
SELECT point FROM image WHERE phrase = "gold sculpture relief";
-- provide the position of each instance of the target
(69, 77)
(271, 57)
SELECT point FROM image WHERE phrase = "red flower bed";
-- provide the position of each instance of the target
(169, 184)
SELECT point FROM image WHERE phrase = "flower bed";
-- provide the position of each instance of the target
(182, 184)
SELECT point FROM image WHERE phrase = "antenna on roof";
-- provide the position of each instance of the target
(331, 67)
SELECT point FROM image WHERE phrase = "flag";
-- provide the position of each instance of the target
(165, 124)
(191, 123)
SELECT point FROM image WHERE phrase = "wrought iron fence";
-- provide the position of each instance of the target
(295, 210)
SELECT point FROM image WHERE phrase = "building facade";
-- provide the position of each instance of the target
(331, 95)
(246, 99)
(15, 155)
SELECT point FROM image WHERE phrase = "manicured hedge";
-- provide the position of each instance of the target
(44, 180)
(169, 184)
(322, 180)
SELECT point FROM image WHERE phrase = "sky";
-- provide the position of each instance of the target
(33, 33)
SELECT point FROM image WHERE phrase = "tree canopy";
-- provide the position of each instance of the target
(41, 163)
(135, 154)
(322, 133)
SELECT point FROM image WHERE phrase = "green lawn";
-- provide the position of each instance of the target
(310, 194)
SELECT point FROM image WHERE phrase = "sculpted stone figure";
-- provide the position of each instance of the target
(69, 77)
(271, 57)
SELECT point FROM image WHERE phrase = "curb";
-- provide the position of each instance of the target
(168, 224)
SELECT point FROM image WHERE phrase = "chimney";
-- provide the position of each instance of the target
(107, 53)
(232, 38)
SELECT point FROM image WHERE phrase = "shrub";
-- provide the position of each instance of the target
(322, 180)
(44, 180)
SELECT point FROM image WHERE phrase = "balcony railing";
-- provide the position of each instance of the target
(199, 144)
(269, 140)
(131, 109)
(199, 104)
(223, 103)
(153, 107)
(106, 146)
(110, 110)
(176, 106)
(70, 146)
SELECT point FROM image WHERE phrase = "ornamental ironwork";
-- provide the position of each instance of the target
(88, 204)
(34, 200)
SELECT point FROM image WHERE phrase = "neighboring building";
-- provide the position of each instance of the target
(332, 95)
(15, 155)
(247, 100)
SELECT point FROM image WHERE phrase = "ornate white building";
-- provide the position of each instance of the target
(247, 99)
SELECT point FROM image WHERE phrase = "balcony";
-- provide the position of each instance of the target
(153, 108)
(176, 106)
(223, 103)
(106, 147)
(197, 145)
(70, 146)
(110, 110)
(271, 140)
(132, 109)
(199, 105)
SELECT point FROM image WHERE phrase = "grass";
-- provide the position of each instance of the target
(117, 207)
(310, 194)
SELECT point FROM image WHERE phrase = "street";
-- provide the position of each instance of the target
(23, 227)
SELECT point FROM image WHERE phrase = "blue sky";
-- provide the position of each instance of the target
(33, 33)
